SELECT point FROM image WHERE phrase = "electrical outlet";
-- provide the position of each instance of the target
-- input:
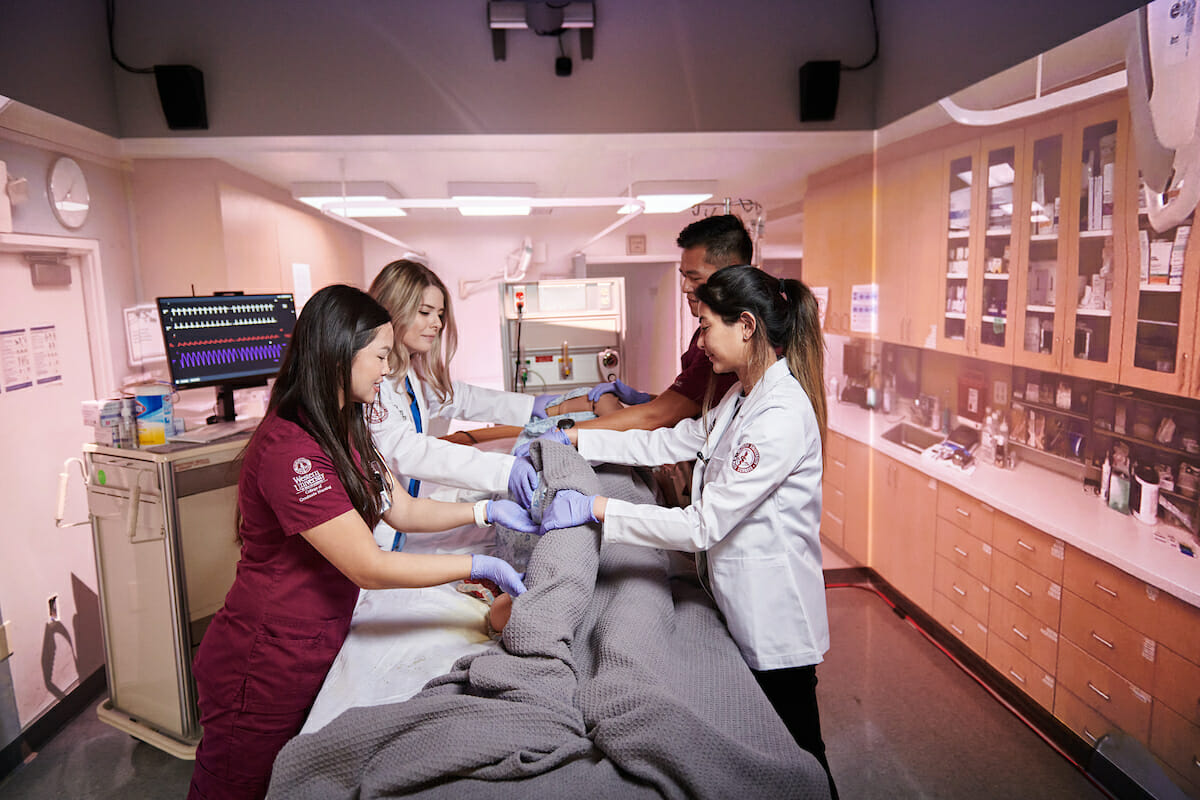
(5, 636)
(52, 607)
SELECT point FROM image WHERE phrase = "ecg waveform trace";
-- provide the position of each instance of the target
(216, 340)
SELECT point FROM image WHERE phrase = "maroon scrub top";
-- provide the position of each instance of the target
(288, 612)
(696, 370)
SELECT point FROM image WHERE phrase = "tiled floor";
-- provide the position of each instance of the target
(899, 718)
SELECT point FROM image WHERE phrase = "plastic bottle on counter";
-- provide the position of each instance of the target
(127, 430)
(1002, 444)
(889, 395)
(987, 438)
(946, 412)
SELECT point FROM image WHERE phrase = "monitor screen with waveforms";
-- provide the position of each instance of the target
(225, 340)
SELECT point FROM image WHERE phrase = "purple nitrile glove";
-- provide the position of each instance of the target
(510, 515)
(522, 481)
(626, 394)
(499, 572)
(554, 435)
(568, 509)
(539, 405)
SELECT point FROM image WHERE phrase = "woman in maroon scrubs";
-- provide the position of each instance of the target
(311, 489)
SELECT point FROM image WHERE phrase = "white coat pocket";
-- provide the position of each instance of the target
(764, 610)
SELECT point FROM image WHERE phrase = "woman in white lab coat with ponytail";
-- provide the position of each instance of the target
(755, 516)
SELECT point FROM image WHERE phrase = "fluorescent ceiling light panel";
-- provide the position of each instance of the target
(669, 197)
(492, 199)
(359, 199)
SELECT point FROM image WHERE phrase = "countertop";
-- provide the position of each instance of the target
(1048, 501)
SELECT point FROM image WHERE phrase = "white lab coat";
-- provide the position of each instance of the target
(756, 513)
(447, 471)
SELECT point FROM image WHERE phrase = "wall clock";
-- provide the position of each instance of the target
(68, 191)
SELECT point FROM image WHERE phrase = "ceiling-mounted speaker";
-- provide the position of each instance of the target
(181, 92)
(819, 90)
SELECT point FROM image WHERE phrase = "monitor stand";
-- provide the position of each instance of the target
(225, 409)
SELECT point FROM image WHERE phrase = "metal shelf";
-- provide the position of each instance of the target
(1051, 409)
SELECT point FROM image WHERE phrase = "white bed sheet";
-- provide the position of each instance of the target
(401, 638)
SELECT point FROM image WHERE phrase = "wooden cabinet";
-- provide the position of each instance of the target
(839, 235)
(1117, 645)
(1160, 332)
(845, 513)
(1104, 690)
(1028, 675)
(1039, 315)
(1028, 546)
(1175, 727)
(1096, 219)
(907, 257)
(903, 527)
(978, 289)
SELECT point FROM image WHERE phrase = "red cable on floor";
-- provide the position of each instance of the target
(874, 590)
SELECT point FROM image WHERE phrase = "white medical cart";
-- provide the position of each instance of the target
(164, 530)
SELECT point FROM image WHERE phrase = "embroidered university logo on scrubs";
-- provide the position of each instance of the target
(308, 482)
(746, 458)
(376, 413)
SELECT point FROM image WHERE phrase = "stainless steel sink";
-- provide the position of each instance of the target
(914, 438)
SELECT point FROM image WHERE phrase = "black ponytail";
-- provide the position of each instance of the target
(788, 320)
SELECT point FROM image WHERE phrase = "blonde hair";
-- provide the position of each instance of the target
(399, 287)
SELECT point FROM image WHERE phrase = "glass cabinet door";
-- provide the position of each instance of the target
(1093, 296)
(1161, 307)
(988, 324)
(959, 215)
(1039, 320)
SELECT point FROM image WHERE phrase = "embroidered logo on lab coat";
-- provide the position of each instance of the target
(746, 458)
(376, 413)
(301, 465)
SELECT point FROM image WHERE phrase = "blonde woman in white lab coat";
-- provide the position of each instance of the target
(755, 515)
(417, 402)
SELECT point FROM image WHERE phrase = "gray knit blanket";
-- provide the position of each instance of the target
(615, 680)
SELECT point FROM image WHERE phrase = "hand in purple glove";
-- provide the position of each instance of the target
(522, 481)
(499, 572)
(626, 394)
(539, 405)
(568, 509)
(554, 435)
(510, 515)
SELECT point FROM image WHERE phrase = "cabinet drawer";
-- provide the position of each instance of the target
(1177, 742)
(1177, 684)
(953, 618)
(1108, 639)
(1023, 632)
(961, 588)
(1030, 590)
(1029, 546)
(833, 499)
(1080, 717)
(832, 528)
(963, 550)
(1027, 676)
(1106, 587)
(835, 447)
(965, 511)
(1175, 626)
(835, 471)
(1109, 694)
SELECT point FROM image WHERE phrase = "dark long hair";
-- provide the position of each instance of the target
(335, 324)
(787, 316)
